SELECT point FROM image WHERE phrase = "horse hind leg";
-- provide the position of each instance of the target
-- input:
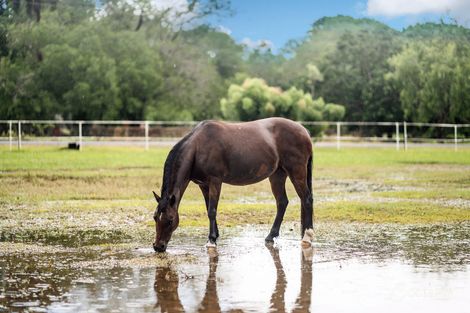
(301, 181)
(278, 187)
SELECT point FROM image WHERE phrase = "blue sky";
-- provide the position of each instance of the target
(278, 20)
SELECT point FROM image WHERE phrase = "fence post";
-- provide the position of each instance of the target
(80, 124)
(455, 137)
(10, 135)
(19, 135)
(397, 128)
(146, 135)
(338, 135)
(405, 136)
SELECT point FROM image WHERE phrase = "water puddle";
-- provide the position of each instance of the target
(351, 267)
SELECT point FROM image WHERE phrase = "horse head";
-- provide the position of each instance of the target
(167, 219)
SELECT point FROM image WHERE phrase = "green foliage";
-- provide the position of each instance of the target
(354, 75)
(265, 64)
(353, 56)
(434, 79)
(429, 31)
(321, 41)
(80, 64)
(254, 99)
(129, 60)
(222, 50)
(333, 112)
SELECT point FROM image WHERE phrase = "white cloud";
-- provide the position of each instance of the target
(459, 9)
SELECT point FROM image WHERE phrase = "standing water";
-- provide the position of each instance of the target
(351, 268)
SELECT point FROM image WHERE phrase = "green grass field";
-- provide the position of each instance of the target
(105, 193)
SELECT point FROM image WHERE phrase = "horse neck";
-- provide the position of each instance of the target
(179, 172)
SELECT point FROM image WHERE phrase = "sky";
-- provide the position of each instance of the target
(277, 21)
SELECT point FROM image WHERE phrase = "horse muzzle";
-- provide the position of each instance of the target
(159, 247)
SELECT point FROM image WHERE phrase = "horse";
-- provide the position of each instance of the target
(244, 153)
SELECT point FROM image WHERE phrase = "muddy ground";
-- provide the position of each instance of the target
(352, 267)
(392, 235)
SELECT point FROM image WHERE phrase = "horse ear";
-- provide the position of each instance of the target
(157, 197)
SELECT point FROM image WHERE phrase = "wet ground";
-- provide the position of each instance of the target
(352, 267)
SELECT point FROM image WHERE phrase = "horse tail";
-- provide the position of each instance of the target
(309, 173)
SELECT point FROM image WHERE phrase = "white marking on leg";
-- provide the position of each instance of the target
(307, 240)
(209, 244)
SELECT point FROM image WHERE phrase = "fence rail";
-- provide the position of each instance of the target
(143, 132)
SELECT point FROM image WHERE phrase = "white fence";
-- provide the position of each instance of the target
(400, 134)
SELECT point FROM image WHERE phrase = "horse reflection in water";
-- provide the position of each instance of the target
(166, 287)
(303, 301)
(167, 283)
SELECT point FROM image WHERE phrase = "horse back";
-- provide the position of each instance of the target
(245, 153)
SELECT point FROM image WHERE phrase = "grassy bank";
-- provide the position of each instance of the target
(106, 192)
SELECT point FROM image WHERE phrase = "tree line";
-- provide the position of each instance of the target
(74, 59)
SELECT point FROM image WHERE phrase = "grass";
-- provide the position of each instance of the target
(395, 212)
(106, 191)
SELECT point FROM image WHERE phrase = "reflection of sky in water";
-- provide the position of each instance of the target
(354, 269)
(388, 287)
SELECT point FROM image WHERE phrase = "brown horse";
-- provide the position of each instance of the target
(216, 152)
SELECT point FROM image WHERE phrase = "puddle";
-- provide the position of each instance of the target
(351, 267)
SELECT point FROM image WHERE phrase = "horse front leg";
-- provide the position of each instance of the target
(213, 200)
(278, 187)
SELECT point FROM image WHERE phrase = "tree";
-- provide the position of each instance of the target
(434, 79)
(263, 63)
(254, 99)
(79, 64)
(313, 76)
(354, 75)
(320, 42)
(441, 31)
(220, 48)
(171, 17)
(145, 59)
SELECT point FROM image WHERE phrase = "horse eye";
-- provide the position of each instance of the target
(170, 222)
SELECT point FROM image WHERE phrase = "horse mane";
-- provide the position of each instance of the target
(172, 159)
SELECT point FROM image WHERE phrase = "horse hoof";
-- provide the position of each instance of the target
(211, 245)
(307, 240)
(269, 239)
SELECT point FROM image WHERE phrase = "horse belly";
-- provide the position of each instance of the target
(245, 170)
